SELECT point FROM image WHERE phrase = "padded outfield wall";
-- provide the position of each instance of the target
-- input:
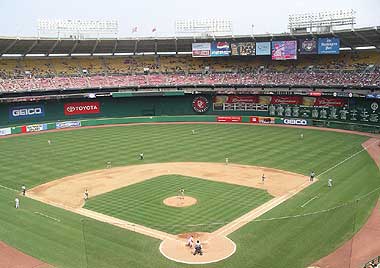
(322, 111)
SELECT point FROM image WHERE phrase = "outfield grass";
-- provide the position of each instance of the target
(217, 203)
(292, 242)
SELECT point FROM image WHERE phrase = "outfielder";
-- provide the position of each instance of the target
(329, 182)
(17, 202)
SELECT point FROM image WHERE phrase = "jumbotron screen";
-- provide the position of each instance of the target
(284, 50)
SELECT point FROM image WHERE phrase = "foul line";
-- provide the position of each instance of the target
(348, 158)
(47, 216)
(5, 187)
(307, 202)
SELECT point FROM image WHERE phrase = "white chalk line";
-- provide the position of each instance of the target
(10, 189)
(348, 158)
(307, 202)
(47, 216)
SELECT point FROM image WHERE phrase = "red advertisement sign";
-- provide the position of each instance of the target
(88, 107)
(261, 120)
(228, 119)
(330, 102)
(293, 100)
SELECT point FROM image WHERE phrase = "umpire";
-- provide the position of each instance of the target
(198, 248)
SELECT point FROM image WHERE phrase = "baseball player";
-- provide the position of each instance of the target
(312, 175)
(17, 202)
(23, 190)
(226, 160)
(182, 192)
(263, 178)
(142, 156)
(49, 142)
(109, 164)
(190, 242)
(301, 136)
(198, 248)
(86, 195)
(193, 131)
(329, 182)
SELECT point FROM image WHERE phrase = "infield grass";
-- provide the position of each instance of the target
(142, 203)
(288, 242)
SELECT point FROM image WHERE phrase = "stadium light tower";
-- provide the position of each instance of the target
(321, 21)
(204, 27)
(78, 29)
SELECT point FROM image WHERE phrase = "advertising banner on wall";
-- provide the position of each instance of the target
(34, 128)
(263, 48)
(67, 124)
(24, 112)
(328, 45)
(323, 102)
(5, 131)
(293, 121)
(220, 49)
(284, 50)
(229, 119)
(201, 49)
(89, 107)
(261, 120)
(243, 49)
(308, 46)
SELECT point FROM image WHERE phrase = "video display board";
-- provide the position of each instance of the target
(284, 50)
(263, 48)
(201, 49)
(328, 45)
(220, 49)
(243, 49)
(308, 46)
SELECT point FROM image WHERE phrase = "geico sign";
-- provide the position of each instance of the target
(27, 111)
(302, 122)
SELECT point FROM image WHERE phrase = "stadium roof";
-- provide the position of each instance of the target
(22, 46)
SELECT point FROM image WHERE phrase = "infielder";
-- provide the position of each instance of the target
(226, 160)
(85, 195)
(109, 164)
(17, 202)
(23, 190)
(312, 175)
(142, 156)
(182, 192)
(263, 178)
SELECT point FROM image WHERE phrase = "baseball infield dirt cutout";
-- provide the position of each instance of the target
(68, 193)
(179, 201)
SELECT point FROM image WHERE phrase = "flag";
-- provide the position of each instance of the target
(154, 29)
(134, 29)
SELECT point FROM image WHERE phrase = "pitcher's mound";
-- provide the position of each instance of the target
(176, 201)
(215, 248)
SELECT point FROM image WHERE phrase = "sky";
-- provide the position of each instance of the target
(19, 17)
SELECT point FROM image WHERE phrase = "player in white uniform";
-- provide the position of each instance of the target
(182, 191)
(193, 131)
(17, 202)
(49, 142)
(329, 182)
(301, 136)
(142, 156)
(85, 195)
(226, 160)
(190, 242)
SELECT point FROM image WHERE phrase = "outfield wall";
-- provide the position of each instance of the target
(348, 113)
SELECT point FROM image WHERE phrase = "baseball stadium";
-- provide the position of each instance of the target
(249, 151)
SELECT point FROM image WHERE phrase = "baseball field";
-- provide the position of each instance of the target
(311, 222)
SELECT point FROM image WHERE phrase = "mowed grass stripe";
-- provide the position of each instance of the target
(217, 202)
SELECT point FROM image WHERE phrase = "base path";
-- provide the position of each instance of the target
(13, 258)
